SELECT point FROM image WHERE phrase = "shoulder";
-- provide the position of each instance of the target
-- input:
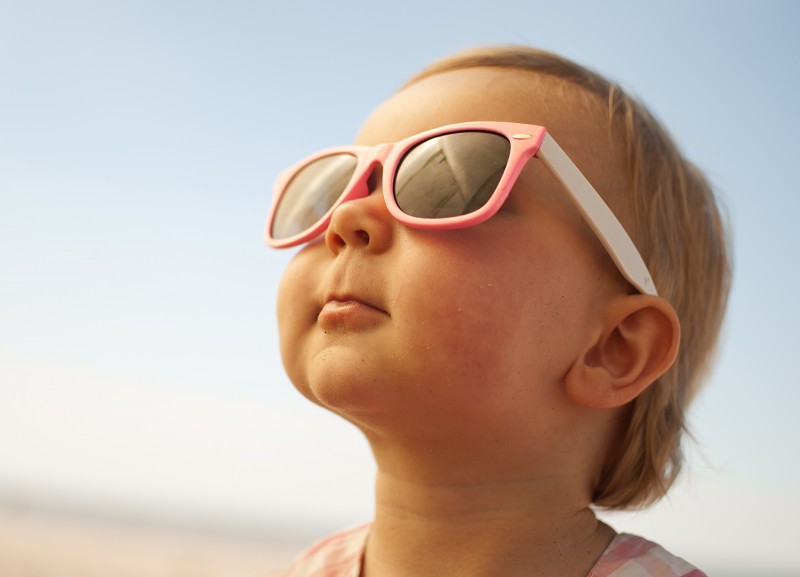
(631, 556)
(338, 555)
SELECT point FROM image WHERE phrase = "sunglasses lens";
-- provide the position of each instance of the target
(311, 193)
(451, 175)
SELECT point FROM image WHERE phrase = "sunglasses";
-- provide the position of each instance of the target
(450, 177)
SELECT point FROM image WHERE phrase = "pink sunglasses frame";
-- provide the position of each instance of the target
(526, 141)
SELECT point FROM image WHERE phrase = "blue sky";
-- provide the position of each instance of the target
(138, 144)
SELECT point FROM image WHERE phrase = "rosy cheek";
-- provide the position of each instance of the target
(299, 284)
(296, 313)
(446, 314)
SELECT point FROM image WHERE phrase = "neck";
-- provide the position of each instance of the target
(510, 528)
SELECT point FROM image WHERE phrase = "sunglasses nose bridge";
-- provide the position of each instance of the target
(373, 164)
(366, 223)
(377, 160)
(368, 173)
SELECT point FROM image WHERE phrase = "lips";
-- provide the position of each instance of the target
(352, 298)
(349, 312)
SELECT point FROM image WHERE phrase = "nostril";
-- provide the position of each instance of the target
(337, 240)
(364, 235)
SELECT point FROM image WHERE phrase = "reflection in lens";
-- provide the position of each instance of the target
(311, 194)
(451, 175)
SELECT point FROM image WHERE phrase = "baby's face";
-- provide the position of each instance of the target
(459, 333)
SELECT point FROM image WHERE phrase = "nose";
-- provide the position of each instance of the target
(363, 222)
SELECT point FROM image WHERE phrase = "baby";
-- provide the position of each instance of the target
(494, 286)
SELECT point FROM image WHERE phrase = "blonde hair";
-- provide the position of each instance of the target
(680, 230)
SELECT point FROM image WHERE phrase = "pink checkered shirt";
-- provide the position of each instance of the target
(626, 556)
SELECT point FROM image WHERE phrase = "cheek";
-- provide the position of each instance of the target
(479, 320)
(296, 316)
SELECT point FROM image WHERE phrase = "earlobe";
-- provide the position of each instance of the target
(637, 344)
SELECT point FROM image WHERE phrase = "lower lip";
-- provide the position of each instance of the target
(343, 316)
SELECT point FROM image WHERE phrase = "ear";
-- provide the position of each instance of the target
(637, 343)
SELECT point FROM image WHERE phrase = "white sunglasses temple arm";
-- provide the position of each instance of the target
(599, 217)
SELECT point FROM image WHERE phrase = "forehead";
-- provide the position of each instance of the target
(497, 94)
